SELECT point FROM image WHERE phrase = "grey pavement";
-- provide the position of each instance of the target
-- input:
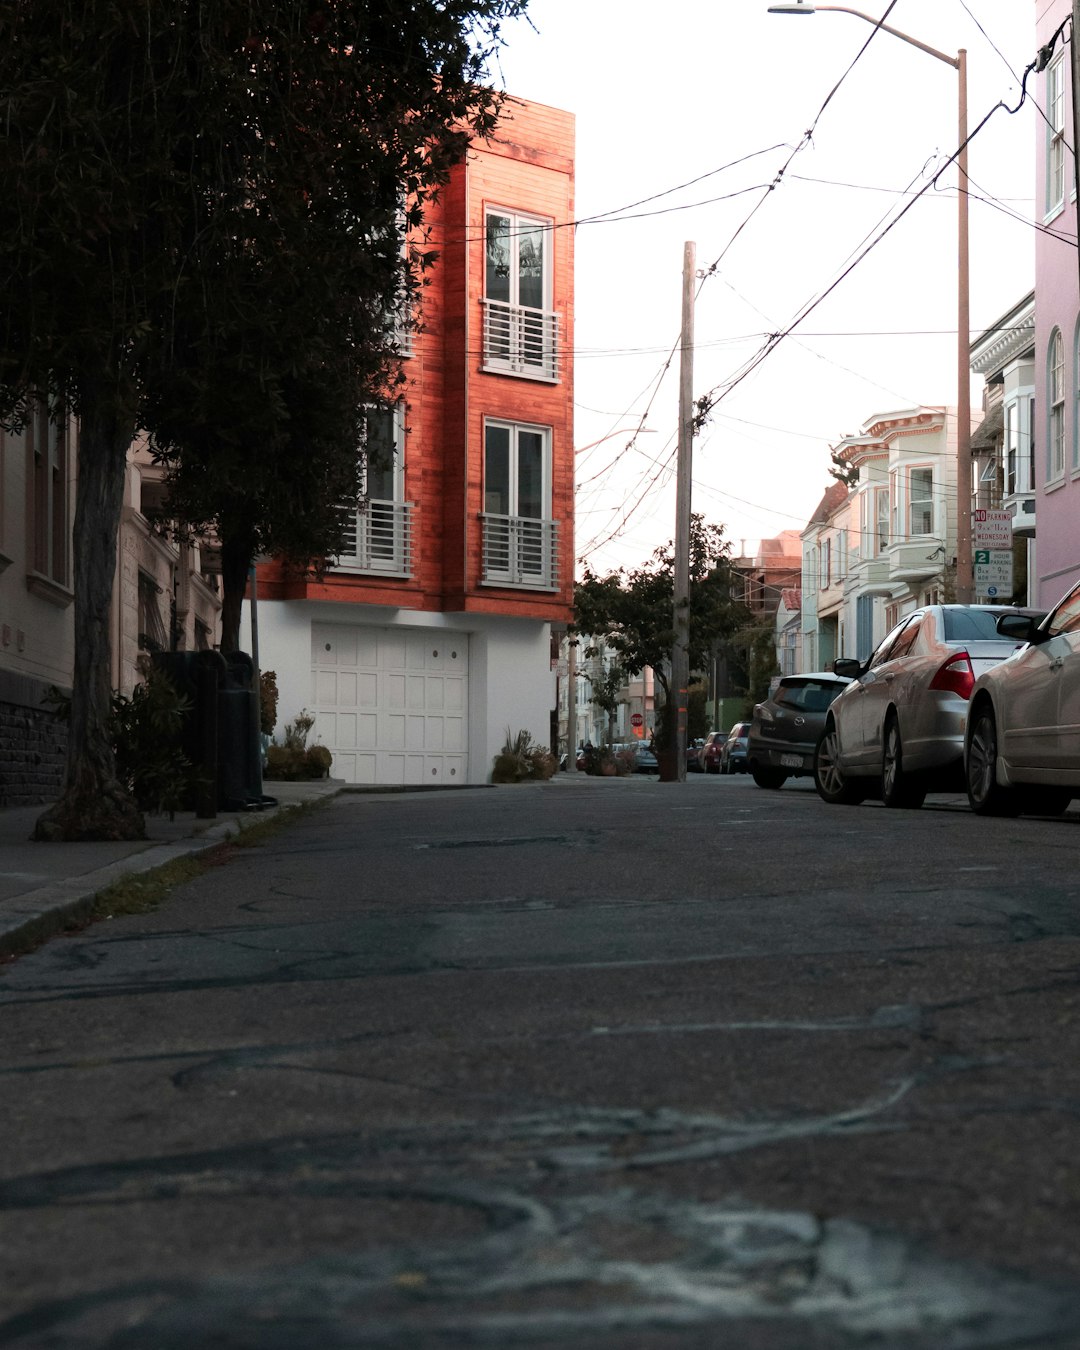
(45, 886)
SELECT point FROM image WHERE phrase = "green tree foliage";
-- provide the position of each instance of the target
(196, 241)
(634, 610)
(843, 470)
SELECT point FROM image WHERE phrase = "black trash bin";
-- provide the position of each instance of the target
(221, 729)
(239, 752)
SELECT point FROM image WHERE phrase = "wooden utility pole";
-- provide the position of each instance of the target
(680, 654)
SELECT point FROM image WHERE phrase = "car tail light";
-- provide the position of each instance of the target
(956, 676)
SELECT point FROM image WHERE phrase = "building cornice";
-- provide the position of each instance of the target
(1006, 346)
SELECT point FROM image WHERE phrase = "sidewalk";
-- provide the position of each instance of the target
(43, 886)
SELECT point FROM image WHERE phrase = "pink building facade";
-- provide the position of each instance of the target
(1055, 450)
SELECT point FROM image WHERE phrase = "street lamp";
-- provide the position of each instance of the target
(619, 431)
(964, 576)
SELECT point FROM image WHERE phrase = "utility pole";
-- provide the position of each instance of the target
(680, 654)
(571, 703)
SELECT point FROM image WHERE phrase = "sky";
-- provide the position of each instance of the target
(690, 116)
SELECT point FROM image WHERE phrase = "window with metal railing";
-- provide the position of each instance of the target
(378, 530)
(520, 540)
(520, 330)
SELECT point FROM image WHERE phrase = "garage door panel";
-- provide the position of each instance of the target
(344, 732)
(367, 731)
(390, 703)
(326, 688)
(392, 732)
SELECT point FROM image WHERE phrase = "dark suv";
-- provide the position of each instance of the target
(788, 725)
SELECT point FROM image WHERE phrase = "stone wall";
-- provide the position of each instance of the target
(33, 743)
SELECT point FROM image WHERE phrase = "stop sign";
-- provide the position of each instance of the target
(636, 720)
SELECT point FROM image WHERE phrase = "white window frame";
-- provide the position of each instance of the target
(882, 537)
(1056, 158)
(529, 543)
(920, 503)
(1055, 407)
(521, 339)
(383, 546)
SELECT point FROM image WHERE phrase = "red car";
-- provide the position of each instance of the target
(709, 754)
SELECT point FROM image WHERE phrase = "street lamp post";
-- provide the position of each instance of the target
(964, 573)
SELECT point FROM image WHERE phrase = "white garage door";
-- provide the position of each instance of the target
(391, 703)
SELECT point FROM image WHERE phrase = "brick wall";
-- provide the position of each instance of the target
(33, 744)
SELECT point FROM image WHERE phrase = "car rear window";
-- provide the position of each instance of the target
(809, 695)
(971, 625)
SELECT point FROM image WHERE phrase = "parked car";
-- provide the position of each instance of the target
(636, 753)
(693, 756)
(1022, 748)
(733, 751)
(904, 714)
(710, 751)
(645, 760)
(787, 726)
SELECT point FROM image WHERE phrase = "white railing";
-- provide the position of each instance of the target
(521, 341)
(378, 538)
(520, 551)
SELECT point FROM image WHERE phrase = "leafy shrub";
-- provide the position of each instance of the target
(268, 701)
(294, 760)
(147, 731)
(521, 760)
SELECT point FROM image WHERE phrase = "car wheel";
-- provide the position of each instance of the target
(1045, 801)
(768, 778)
(897, 788)
(829, 779)
(986, 796)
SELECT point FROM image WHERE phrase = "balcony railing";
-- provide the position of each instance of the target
(520, 551)
(521, 341)
(378, 538)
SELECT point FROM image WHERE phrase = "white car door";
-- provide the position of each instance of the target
(878, 689)
(1032, 734)
(1066, 624)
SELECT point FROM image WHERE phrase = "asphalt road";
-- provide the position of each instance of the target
(588, 1064)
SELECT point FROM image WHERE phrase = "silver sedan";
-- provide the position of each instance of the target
(1023, 739)
(902, 719)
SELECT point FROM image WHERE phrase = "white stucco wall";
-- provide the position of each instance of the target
(511, 683)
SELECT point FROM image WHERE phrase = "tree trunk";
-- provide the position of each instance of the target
(93, 803)
(235, 565)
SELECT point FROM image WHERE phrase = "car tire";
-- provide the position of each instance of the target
(898, 789)
(832, 786)
(985, 795)
(768, 778)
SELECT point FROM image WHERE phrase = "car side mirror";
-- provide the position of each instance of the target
(847, 666)
(1019, 627)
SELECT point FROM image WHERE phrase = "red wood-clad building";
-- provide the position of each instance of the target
(431, 636)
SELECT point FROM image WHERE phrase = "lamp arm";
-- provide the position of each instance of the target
(953, 61)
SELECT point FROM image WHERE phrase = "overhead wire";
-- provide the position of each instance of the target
(707, 402)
